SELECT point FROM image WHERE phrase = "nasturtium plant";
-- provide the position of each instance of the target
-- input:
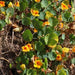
(37, 24)
(44, 3)
(73, 60)
(46, 30)
(53, 21)
(23, 5)
(52, 55)
(2, 24)
(27, 35)
(67, 17)
(62, 72)
(26, 21)
(39, 46)
(51, 40)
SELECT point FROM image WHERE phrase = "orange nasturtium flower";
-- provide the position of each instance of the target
(61, 25)
(64, 6)
(29, 46)
(35, 30)
(73, 49)
(2, 3)
(74, 17)
(46, 23)
(34, 12)
(38, 63)
(25, 48)
(17, 4)
(59, 57)
(22, 66)
(63, 54)
(37, 0)
(10, 4)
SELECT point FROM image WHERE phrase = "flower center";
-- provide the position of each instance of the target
(25, 48)
(39, 63)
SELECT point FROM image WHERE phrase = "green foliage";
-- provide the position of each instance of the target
(10, 11)
(63, 72)
(37, 24)
(42, 15)
(63, 36)
(52, 55)
(23, 5)
(73, 60)
(26, 21)
(51, 39)
(72, 38)
(2, 24)
(31, 72)
(39, 46)
(53, 21)
(45, 63)
(67, 17)
(51, 73)
(27, 35)
(36, 6)
(44, 3)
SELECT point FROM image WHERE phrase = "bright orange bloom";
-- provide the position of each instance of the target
(25, 49)
(74, 17)
(37, 63)
(29, 46)
(34, 12)
(35, 30)
(46, 23)
(69, 6)
(73, 49)
(37, 0)
(63, 54)
(64, 6)
(61, 25)
(2, 3)
(59, 58)
(17, 4)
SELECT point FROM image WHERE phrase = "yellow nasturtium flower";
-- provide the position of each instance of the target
(60, 18)
(3, 12)
(25, 48)
(10, 4)
(38, 63)
(66, 50)
(37, 1)
(64, 6)
(48, 15)
(34, 12)
(2, 3)
(22, 66)
(29, 46)
(17, 4)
